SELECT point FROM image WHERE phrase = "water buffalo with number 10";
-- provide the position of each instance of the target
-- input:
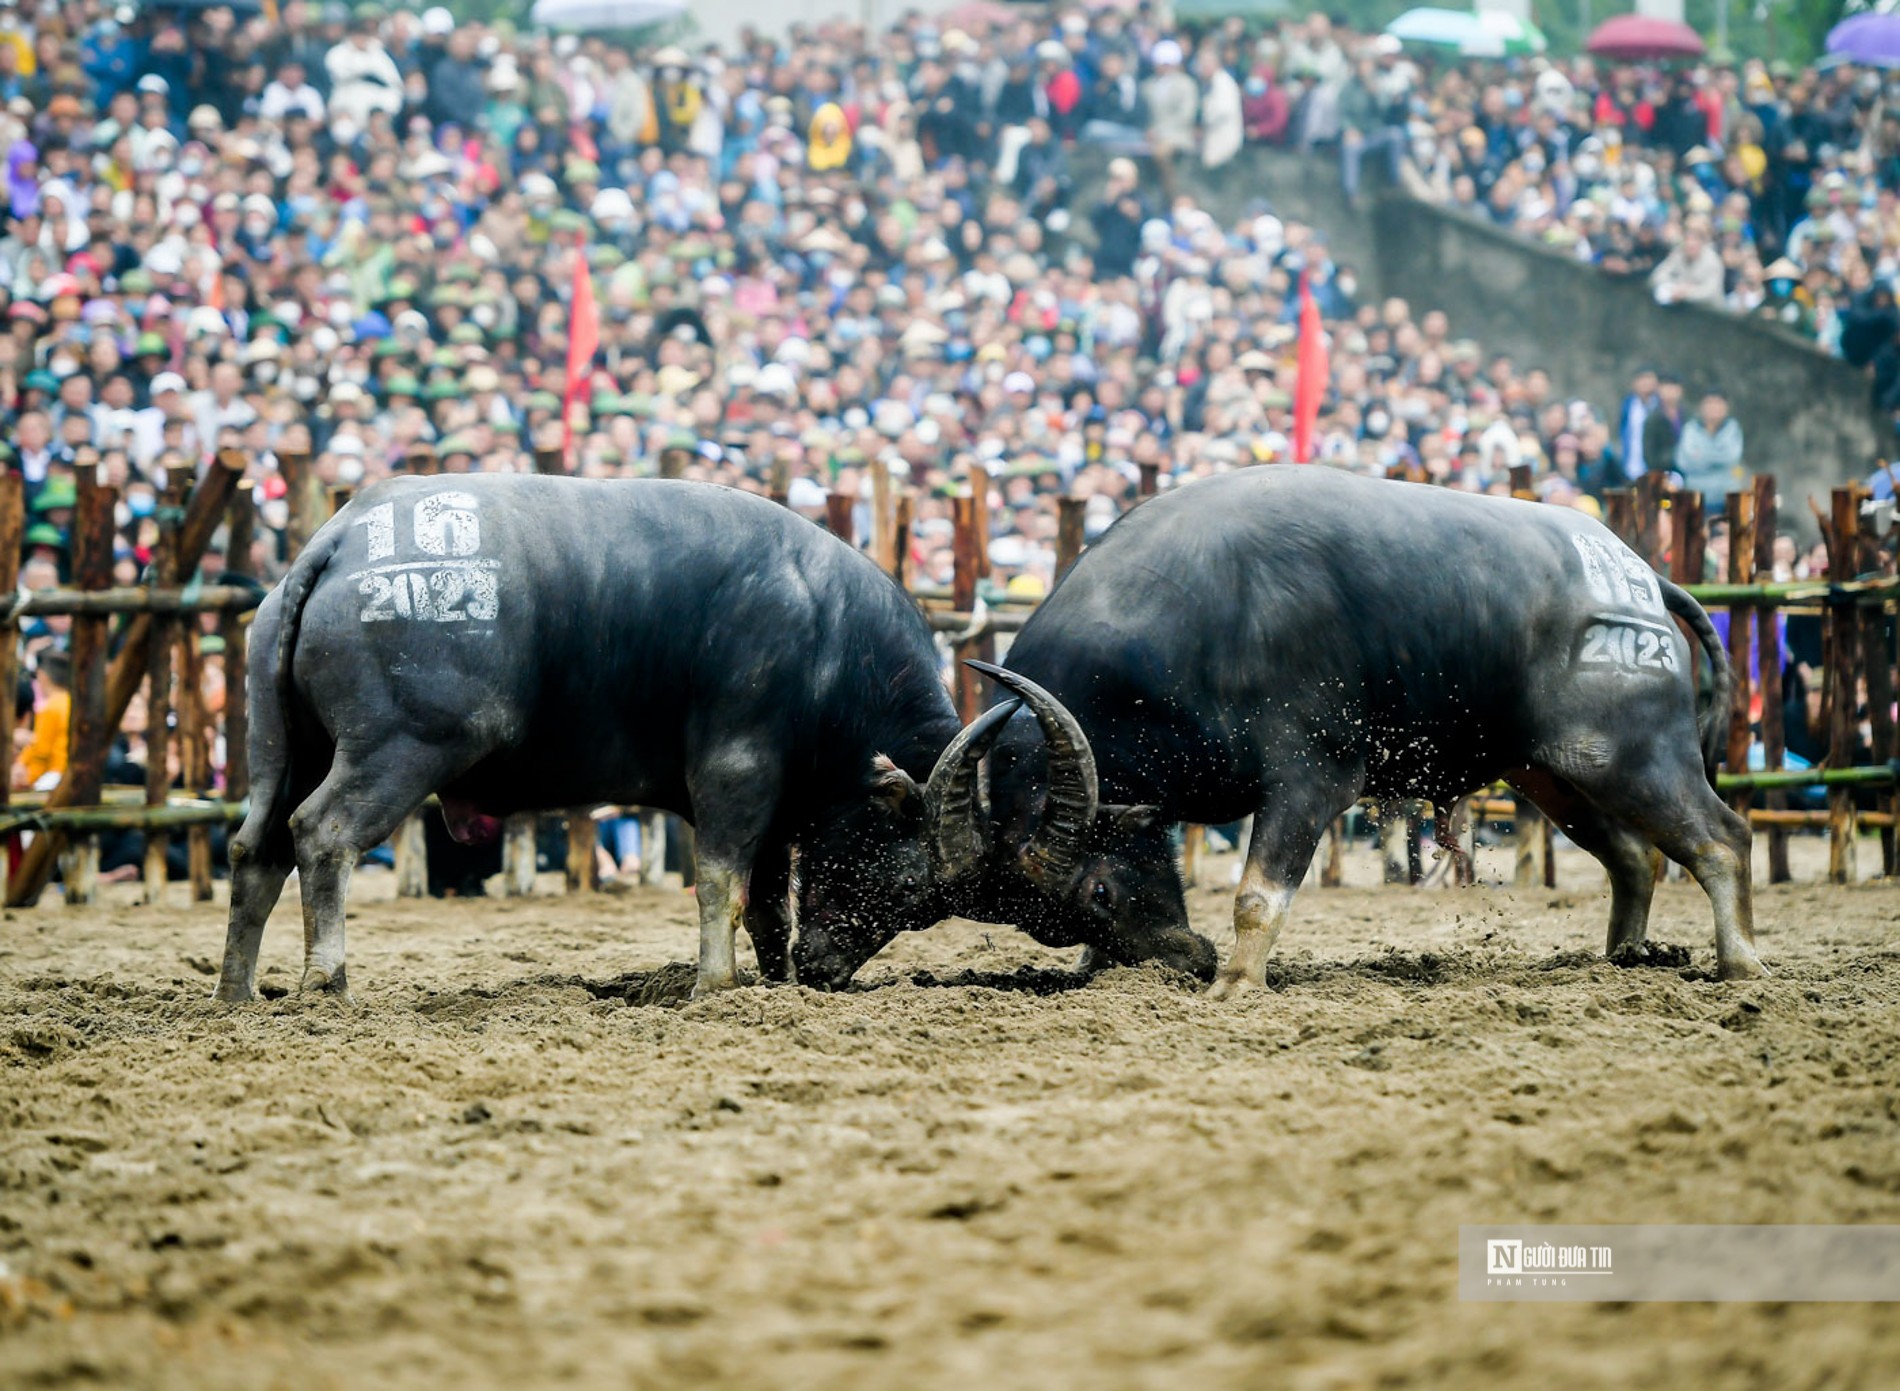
(520, 643)
(1280, 641)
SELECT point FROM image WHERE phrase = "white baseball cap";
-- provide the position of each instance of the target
(167, 381)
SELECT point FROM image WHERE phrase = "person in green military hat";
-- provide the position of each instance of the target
(389, 348)
(456, 452)
(639, 404)
(544, 401)
(137, 281)
(567, 220)
(404, 385)
(442, 389)
(447, 294)
(53, 503)
(39, 380)
(45, 534)
(507, 427)
(462, 273)
(605, 258)
(150, 345)
(400, 290)
(582, 177)
(465, 333)
(445, 357)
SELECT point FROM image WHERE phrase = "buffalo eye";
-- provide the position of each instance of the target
(1100, 891)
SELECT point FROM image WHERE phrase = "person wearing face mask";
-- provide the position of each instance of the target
(1785, 300)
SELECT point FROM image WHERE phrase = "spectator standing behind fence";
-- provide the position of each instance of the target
(1662, 426)
(42, 760)
(1642, 399)
(1709, 452)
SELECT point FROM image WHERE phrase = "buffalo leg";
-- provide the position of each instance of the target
(738, 791)
(359, 805)
(767, 921)
(1685, 819)
(259, 866)
(1285, 835)
(1627, 857)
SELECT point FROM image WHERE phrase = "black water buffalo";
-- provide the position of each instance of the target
(1278, 642)
(520, 643)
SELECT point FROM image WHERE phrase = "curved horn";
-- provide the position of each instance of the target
(1074, 795)
(957, 837)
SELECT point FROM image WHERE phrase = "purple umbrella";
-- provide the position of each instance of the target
(1872, 40)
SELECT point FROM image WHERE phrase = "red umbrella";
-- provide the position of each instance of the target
(1638, 36)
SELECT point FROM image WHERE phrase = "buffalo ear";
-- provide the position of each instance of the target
(894, 789)
(1119, 817)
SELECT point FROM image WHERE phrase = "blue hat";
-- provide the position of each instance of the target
(372, 325)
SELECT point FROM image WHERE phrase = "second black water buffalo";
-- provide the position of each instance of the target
(1280, 641)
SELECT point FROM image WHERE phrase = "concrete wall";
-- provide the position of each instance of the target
(1808, 417)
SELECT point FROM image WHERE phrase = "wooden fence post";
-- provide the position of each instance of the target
(235, 629)
(1650, 490)
(304, 495)
(1193, 846)
(12, 533)
(194, 754)
(518, 855)
(883, 518)
(1877, 652)
(778, 485)
(1332, 872)
(1768, 630)
(158, 701)
(967, 552)
(652, 847)
(900, 541)
(412, 858)
(127, 672)
(583, 869)
(1150, 480)
(1688, 542)
(841, 517)
(548, 459)
(89, 737)
(1070, 514)
(1741, 570)
(1619, 514)
(1843, 680)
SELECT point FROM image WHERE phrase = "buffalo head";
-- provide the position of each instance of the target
(1078, 873)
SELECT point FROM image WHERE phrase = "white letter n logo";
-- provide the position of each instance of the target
(1503, 1257)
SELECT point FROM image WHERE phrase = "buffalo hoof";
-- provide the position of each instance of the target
(1231, 988)
(234, 994)
(708, 986)
(317, 981)
(1746, 968)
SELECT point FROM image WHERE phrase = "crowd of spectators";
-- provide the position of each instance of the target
(355, 234)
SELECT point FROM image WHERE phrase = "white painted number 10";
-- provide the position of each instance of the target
(445, 525)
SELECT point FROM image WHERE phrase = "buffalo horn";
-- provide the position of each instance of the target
(957, 836)
(1055, 846)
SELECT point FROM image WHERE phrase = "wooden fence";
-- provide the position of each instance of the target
(154, 647)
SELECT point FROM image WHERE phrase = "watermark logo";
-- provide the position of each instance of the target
(1512, 1262)
(1742, 1263)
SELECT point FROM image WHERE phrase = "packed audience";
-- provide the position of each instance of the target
(356, 234)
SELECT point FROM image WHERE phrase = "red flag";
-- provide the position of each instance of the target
(583, 340)
(1309, 385)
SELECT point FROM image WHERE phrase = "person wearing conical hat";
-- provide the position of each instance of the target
(1786, 300)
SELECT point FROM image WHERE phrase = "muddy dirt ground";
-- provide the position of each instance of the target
(520, 1159)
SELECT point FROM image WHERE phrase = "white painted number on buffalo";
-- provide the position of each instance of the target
(446, 524)
(1627, 646)
(456, 587)
(1617, 577)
